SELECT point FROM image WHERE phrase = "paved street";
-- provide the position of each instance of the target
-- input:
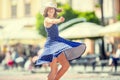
(75, 73)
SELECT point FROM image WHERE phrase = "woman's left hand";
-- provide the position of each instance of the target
(62, 19)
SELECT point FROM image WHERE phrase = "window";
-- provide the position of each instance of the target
(27, 9)
(13, 8)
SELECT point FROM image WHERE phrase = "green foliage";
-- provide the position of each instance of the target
(68, 13)
(90, 17)
(39, 24)
(97, 5)
(118, 17)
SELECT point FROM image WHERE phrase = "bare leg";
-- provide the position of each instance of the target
(54, 68)
(65, 65)
(112, 67)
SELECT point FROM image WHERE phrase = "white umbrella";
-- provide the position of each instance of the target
(20, 34)
(70, 22)
(15, 31)
(25, 34)
(111, 30)
(82, 30)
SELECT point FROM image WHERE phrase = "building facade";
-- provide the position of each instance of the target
(10, 9)
(16, 14)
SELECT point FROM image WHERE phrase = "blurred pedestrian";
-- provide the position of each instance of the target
(57, 50)
(118, 51)
(8, 61)
(115, 56)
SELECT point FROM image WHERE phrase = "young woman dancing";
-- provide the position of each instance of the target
(56, 49)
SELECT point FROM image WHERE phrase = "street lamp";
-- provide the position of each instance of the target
(103, 24)
(102, 13)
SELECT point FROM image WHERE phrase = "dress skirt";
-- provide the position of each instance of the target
(54, 47)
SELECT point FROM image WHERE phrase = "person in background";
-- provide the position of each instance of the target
(118, 52)
(113, 61)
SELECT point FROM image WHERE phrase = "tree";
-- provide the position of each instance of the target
(118, 17)
(90, 17)
(68, 13)
(39, 24)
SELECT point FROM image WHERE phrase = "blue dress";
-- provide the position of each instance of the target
(55, 45)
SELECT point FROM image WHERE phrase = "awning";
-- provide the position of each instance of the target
(82, 30)
(111, 30)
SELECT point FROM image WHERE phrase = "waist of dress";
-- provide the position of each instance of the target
(53, 38)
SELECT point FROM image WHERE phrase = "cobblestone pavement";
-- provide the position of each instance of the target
(76, 73)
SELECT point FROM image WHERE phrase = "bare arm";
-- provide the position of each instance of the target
(48, 21)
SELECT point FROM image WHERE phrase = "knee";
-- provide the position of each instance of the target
(55, 69)
(66, 66)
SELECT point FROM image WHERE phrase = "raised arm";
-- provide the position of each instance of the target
(48, 21)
